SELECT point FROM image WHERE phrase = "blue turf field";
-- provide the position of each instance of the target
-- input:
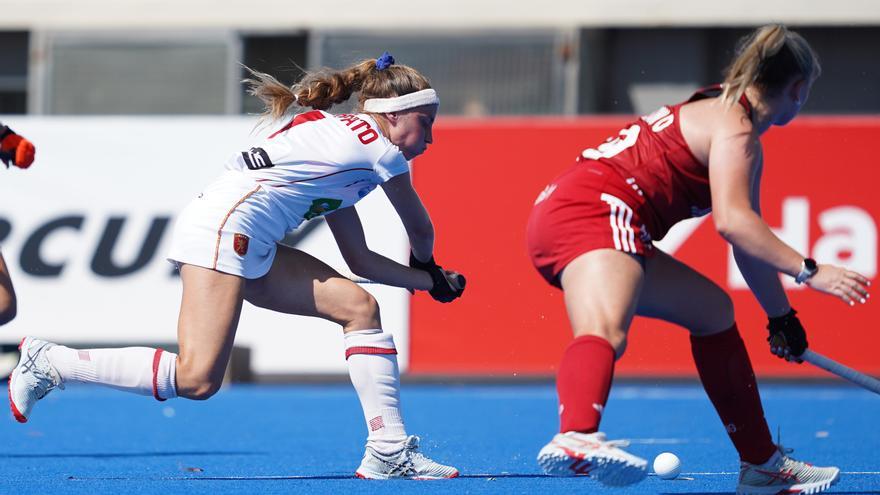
(309, 439)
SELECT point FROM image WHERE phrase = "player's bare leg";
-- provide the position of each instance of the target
(209, 315)
(300, 284)
(8, 303)
(601, 289)
(676, 293)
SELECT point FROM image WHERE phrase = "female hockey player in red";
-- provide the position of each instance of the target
(590, 234)
(225, 243)
(18, 151)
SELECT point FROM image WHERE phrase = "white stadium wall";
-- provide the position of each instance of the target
(95, 174)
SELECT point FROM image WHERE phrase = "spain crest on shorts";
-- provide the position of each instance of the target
(240, 244)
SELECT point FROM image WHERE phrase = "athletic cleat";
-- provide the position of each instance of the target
(32, 379)
(782, 474)
(573, 453)
(406, 463)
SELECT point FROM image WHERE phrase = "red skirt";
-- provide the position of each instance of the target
(591, 206)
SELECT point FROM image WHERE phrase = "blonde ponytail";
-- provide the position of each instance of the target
(769, 58)
(274, 94)
(323, 88)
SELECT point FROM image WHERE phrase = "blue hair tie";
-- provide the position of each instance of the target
(384, 61)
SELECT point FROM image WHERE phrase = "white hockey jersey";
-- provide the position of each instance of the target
(315, 164)
(320, 162)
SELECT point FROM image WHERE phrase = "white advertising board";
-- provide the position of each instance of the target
(85, 231)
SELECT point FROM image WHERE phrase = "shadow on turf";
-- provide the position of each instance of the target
(112, 455)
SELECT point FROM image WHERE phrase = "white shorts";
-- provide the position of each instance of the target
(232, 227)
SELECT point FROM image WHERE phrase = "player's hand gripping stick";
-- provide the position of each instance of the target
(448, 285)
(787, 338)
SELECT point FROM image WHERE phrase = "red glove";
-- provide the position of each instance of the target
(16, 149)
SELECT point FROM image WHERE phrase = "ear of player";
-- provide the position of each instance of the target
(787, 338)
(15, 149)
(448, 285)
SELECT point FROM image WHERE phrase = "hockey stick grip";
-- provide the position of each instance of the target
(842, 371)
(459, 280)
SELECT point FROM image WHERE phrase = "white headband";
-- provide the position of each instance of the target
(398, 103)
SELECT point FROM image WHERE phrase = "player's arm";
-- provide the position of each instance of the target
(735, 152)
(735, 168)
(761, 278)
(8, 306)
(345, 224)
(413, 215)
(447, 285)
(733, 157)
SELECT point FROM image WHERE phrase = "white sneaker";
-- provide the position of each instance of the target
(406, 463)
(573, 453)
(32, 379)
(782, 474)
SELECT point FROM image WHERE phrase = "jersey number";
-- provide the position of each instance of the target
(614, 146)
(659, 120)
(256, 158)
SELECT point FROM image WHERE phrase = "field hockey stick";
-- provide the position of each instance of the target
(459, 281)
(842, 371)
(354, 278)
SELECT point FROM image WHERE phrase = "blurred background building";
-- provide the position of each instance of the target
(487, 58)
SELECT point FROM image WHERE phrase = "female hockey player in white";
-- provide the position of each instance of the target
(225, 243)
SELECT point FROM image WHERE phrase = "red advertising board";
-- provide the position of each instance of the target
(479, 181)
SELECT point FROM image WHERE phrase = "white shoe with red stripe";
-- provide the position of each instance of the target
(406, 463)
(573, 453)
(782, 474)
(32, 379)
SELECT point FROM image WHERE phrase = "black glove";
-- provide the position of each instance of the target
(421, 265)
(787, 336)
(446, 288)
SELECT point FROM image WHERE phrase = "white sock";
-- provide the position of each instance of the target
(141, 370)
(372, 365)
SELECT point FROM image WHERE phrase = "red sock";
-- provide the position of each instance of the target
(727, 376)
(583, 383)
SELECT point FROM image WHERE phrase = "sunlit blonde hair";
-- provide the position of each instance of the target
(323, 88)
(769, 58)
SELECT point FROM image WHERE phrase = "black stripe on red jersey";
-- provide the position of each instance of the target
(715, 91)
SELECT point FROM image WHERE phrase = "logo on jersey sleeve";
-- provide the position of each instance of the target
(240, 244)
(256, 158)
